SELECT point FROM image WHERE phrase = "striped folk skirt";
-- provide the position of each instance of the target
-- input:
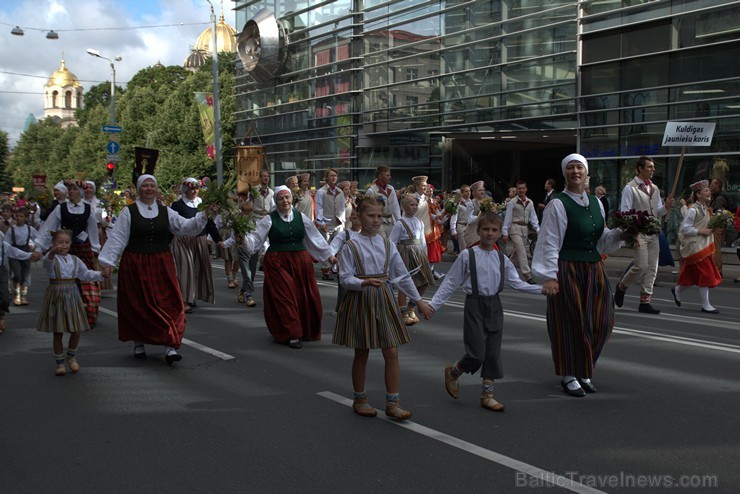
(370, 318)
(150, 308)
(90, 290)
(193, 263)
(414, 256)
(63, 310)
(580, 318)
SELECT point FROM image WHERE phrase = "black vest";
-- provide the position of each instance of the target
(77, 223)
(149, 236)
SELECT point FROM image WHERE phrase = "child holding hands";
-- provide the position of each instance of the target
(9, 252)
(63, 310)
(481, 271)
(408, 235)
(368, 316)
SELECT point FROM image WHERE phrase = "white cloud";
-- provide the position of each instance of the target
(35, 55)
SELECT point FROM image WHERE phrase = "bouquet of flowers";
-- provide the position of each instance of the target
(488, 204)
(502, 207)
(237, 222)
(114, 203)
(721, 218)
(452, 203)
(635, 223)
(297, 195)
(215, 195)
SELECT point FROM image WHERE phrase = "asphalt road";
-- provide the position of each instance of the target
(241, 413)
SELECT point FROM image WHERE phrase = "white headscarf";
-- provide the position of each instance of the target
(574, 157)
(91, 183)
(61, 187)
(141, 180)
(281, 188)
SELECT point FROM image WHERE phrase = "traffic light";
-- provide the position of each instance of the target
(111, 167)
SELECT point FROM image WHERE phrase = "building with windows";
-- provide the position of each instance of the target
(499, 89)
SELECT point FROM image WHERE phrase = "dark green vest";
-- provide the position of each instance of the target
(585, 226)
(149, 236)
(286, 236)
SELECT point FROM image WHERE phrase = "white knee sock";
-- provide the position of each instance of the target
(678, 289)
(704, 295)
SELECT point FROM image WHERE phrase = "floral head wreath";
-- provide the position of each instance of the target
(76, 183)
(701, 184)
(190, 184)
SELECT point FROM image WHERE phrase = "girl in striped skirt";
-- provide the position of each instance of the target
(63, 310)
(368, 316)
(408, 235)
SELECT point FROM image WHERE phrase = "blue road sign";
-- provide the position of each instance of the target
(112, 129)
(112, 147)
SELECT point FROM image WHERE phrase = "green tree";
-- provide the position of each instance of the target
(33, 154)
(6, 183)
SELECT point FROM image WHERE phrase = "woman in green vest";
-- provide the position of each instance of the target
(567, 260)
(291, 296)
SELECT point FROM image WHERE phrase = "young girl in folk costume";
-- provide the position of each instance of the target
(368, 316)
(697, 249)
(408, 236)
(437, 218)
(349, 199)
(338, 243)
(22, 236)
(482, 271)
(63, 310)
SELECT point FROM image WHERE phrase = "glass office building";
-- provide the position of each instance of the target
(495, 90)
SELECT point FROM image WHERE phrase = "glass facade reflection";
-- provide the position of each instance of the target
(462, 90)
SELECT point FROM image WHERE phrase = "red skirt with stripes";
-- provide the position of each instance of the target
(89, 290)
(580, 318)
(150, 308)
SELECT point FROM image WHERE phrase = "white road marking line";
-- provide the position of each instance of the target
(538, 473)
(185, 341)
(679, 340)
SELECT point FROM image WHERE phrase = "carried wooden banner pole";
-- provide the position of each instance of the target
(678, 172)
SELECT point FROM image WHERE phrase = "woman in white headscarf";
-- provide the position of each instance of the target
(192, 255)
(567, 259)
(150, 308)
(292, 301)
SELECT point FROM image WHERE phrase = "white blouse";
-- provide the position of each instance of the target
(7, 251)
(399, 232)
(552, 233)
(118, 236)
(314, 242)
(488, 269)
(372, 252)
(21, 235)
(67, 268)
(54, 221)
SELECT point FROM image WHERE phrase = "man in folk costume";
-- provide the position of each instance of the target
(459, 220)
(641, 194)
(520, 214)
(330, 211)
(192, 255)
(478, 191)
(263, 203)
(78, 217)
(382, 189)
(549, 194)
(306, 204)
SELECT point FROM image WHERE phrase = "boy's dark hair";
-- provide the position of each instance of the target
(22, 210)
(641, 162)
(381, 169)
(489, 217)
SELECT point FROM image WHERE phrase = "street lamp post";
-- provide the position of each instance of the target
(96, 53)
(216, 104)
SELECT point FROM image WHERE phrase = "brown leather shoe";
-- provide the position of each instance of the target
(73, 365)
(250, 302)
(452, 384)
(488, 401)
(60, 370)
(408, 321)
(395, 411)
(363, 408)
(413, 316)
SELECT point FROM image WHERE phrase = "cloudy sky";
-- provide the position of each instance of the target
(27, 61)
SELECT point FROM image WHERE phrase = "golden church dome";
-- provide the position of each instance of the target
(62, 77)
(225, 38)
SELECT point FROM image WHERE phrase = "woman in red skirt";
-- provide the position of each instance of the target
(697, 249)
(292, 301)
(150, 307)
